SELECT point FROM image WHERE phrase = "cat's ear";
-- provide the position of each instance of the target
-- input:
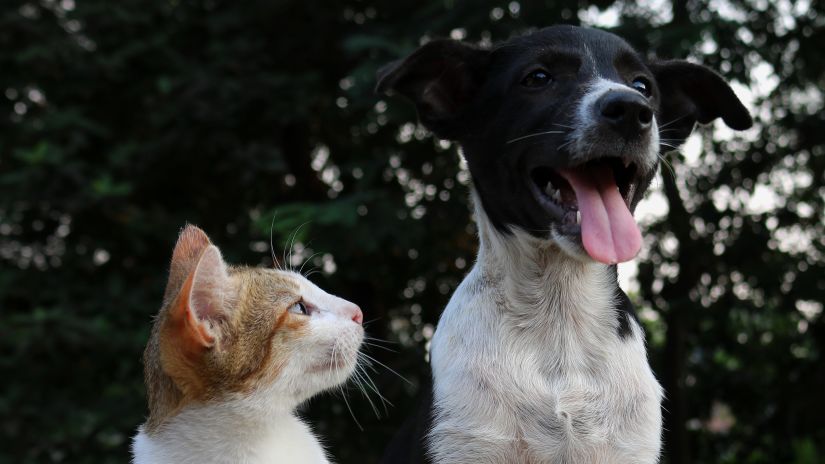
(200, 305)
(192, 241)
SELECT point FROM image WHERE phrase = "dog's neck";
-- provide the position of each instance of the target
(543, 286)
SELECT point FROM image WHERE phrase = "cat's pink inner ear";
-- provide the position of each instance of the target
(210, 285)
(199, 304)
(188, 250)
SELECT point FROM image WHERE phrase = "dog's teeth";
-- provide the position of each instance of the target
(578, 217)
(552, 192)
(626, 163)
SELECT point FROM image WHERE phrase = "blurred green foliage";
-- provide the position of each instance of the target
(120, 121)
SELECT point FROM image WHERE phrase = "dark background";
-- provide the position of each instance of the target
(122, 120)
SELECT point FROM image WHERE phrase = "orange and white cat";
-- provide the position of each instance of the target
(233, 352)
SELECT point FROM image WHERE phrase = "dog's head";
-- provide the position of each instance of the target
(562, 128)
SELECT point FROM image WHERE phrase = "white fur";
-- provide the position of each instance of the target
(529, 368)
(261, 427)
(220, 434)
(644, 152)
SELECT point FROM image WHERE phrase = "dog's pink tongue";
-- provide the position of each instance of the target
(609, 233)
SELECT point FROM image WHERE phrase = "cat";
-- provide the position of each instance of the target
(232, 353)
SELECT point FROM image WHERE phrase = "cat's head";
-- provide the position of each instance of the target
(228, 333)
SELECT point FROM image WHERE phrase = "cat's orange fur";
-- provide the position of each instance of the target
(194, 358)
(233, 352)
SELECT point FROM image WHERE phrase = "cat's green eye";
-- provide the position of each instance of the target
(298, 308)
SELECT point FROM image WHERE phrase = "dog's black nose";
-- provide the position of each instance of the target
(627, 112)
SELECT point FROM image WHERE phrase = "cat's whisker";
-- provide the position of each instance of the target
(300, 271)
(364, 324)
(332, 360)
(356, 376)
(291, 243)
(371, 367)
(379, 346)
(352, 414)
(283, 255)
(314, 271)
(370, 383)
(374, 387)
(310, 271)
(371, 359)
(376, 342)
(275, 262)
(379, 340)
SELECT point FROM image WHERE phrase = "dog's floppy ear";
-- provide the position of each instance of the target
(441, 78)
(693, 93)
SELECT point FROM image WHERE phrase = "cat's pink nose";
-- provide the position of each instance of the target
(354, 313)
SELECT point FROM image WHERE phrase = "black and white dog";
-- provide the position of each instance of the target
(538, 357)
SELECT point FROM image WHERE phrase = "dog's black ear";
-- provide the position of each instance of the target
(693, 93)
(441, 78)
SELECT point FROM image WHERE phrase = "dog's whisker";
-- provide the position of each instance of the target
(674, 120)
(533, 135)
(565, 144)
(667, 164)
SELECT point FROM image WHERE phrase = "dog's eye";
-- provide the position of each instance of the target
(537, 78)
(298, 308)
(642, 85)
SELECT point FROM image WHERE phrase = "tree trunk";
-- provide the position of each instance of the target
(678, 319)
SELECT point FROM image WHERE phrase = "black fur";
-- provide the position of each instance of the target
(487, 98)
(409, 444)
(625, 311)
(476, 96)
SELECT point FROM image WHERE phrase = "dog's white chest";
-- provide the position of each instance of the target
(513, 386)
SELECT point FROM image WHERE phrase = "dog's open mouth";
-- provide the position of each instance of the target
(593, 199)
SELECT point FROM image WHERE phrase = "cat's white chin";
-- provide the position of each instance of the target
(331, 374)
(340, 358)
(333, 366)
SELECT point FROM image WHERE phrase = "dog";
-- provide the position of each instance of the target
(538, 356)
